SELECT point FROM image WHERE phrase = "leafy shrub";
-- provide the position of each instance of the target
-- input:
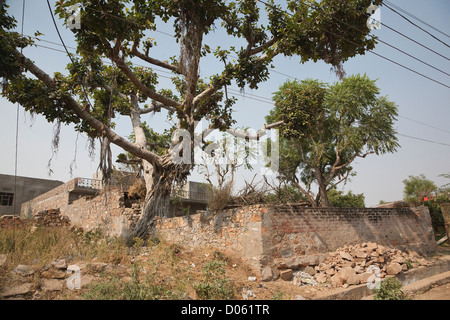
(215, 285)
(390, 289)
(138, 288)
(437, 219)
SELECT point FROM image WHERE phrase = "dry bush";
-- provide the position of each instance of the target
(138, 189)
(251, 193)
(219, 198)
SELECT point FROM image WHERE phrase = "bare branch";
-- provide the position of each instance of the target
(261, 132)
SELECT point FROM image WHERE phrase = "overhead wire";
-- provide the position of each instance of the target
(265, 3)
(415, 41)
(352, 42)
(414, 17)
(265, 99)
(417, 26)
(67, 51)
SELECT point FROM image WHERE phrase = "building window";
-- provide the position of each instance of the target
(6, 199)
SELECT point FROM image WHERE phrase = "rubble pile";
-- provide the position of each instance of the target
(10, 221)
(51, 218)
(351, 265)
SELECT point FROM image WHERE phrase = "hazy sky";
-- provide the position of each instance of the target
(378, 177)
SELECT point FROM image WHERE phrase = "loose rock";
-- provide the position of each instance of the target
(286, 274)
(393, 268)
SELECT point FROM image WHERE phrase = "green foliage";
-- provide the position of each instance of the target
(285, 194)
(390, 289)
(278, 295)
(214, 285)
(437, 218)
(349, 200)
(326, 127)
(417, 187)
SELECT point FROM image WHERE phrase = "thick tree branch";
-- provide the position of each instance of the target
(142, 87)
(262, 47)
(156, 106)
(85, 115)
(261, 132)
(154, 61)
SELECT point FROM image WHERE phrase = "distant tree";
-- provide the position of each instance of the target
(444, 190)
(447, 176)
(350, 200)
(285, 193)
(326, 127)
(417, 187)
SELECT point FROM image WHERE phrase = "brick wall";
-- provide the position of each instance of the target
(305, 231)
(262, 235)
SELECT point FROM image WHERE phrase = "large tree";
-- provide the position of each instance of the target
(326, 127)
(123, 32)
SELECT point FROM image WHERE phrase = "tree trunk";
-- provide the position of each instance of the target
(159, 179)
(323, 196)
(156, 204)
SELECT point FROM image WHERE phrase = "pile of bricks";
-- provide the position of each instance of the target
(350, 265)
(51, 218)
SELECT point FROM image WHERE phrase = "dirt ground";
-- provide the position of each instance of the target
(183, 266)
(436, 293)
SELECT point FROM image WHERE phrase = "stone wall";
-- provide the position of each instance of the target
(235, 231)
(107, 210)
(264, 234)
(300, 231)
(52, 199)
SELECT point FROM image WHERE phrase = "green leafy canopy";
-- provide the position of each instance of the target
(326, 127)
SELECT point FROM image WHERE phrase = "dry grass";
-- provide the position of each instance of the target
(39, 246)
(154, 269)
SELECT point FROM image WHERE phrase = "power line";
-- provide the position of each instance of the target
(418, 19)
(416, 42)
(424, 124)
(233, 91)
(265, 3)
(266, 100)
(384, 42)
(352, 42)
(405, 18)
(67, 51)
(421, 139)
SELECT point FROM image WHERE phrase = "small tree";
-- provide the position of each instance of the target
(417, 187)
(326, 127)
